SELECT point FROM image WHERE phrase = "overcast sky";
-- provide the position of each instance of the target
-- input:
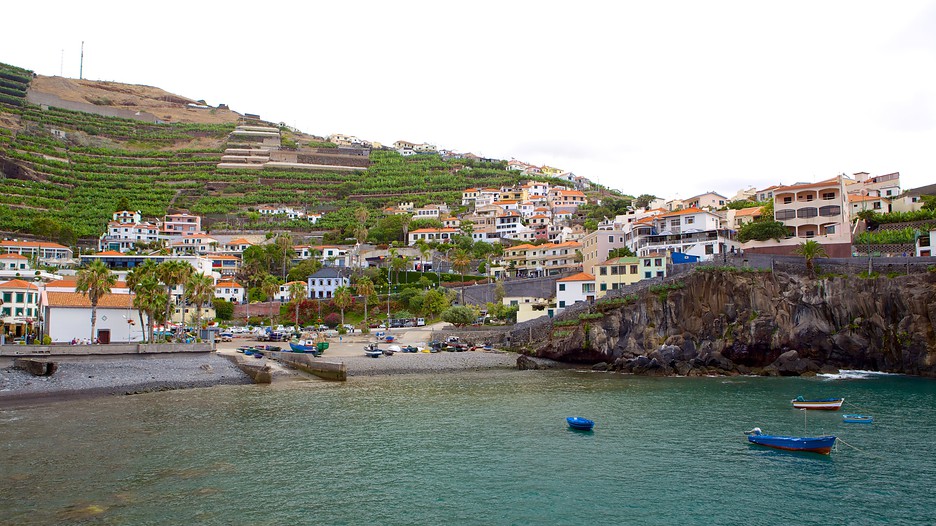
(669, 98)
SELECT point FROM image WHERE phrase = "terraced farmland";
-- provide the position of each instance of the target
(75, 168)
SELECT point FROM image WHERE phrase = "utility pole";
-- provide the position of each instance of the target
(81, 64)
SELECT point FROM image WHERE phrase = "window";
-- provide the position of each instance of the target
(787, 200)
(633, 269)
(648, 275)
(828, 196)
(658, 262)
(807, 212)
(709, 249)
(19, 297)
(561, 288)
(614, 271)
(830, 230)
(610, 239)
(809, 233)
(561, 304)
(603, 271)
(690, 220)
(604, 286)
(647, 263)
(829, 211)
(782, 215)
(588, 287)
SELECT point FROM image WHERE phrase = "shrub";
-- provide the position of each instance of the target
(332, 319)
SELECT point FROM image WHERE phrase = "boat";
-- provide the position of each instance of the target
(580, 424)
(857, 419)
(374, 353)
(828, 404)
(822, 444)
(309, 346)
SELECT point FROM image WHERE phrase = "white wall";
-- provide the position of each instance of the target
(65, 323)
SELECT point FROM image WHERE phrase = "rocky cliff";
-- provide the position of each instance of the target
(729, 322)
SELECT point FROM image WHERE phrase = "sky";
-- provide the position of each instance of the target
(672, 99)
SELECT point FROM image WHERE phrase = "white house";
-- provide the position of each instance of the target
(323, 283)
(574, 289)
(68, 316)
(230, 291)
(283, 294)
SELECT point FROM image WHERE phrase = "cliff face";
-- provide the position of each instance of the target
(722, 322)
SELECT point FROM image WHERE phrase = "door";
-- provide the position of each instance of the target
(103, 336)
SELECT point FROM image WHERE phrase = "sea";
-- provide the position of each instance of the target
(475, 448)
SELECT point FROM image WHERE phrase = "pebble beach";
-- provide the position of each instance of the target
(120, 375)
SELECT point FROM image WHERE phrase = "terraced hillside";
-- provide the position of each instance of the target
(73, 169)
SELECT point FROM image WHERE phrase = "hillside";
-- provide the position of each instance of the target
(71, 168)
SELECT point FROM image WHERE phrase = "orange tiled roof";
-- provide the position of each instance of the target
(581, 276)
(77, 299)
(794, 187)
(683, 212)
(13, 256)
(109, 253)
(18, 284)
(37, 244)
(852, 198)
(750, 211)
(228, 284)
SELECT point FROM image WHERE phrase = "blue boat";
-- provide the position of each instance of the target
(822, 445)
(580, 424)
(857, 419)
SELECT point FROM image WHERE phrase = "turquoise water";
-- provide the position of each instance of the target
(473, 448)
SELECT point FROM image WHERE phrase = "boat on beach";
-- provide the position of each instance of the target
(580, 424)
(828, 404)
(308, 346)
(857, 419)
(821, 444)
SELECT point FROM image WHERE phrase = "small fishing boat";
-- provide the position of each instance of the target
(828, 404)
(857, 419)
(374, 353)
(822, 445)
(580, 424)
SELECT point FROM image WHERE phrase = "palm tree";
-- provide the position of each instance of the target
(284, 249)
(270, 286)
(95, 281)
(150, 297)
(134, 279)
(342, 299)
(810, 250)
(461, 261)
(173, 273)
(365, 287)
(200, 291)
(297, 290)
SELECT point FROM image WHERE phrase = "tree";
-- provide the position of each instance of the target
(461, 262)
(762, 230)
(304, 269)
(134, 280)
(643, 201)
(343, 299)
(434, 302)
(459, 316)
(622, 252)
(95, 281)
(224, 309)
(270, 286)
(365, 287)
(297, 291)
(499, 292)
(284, 251)
(810, 250)
(173, 273)
(199, 290)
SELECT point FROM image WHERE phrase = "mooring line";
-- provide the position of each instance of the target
(861, 450)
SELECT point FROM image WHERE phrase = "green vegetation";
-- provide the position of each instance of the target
(879, 237)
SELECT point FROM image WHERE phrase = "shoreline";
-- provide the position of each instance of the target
(115, 375)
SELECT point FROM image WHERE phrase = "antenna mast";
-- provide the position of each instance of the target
(81, 64)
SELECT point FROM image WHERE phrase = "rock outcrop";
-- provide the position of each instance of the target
(731, 322)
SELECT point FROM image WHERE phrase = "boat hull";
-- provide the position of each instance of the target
(580, 424)
(825, 404)
(822, 445)
(857, 419)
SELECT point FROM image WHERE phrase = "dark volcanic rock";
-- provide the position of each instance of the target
(728, 322)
